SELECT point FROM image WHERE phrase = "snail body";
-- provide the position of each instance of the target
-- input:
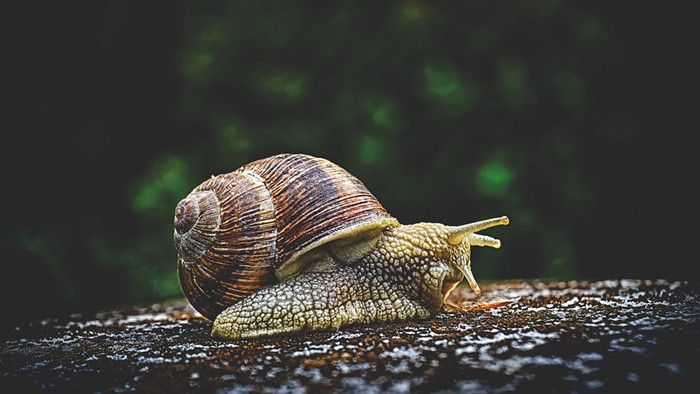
(293, 243)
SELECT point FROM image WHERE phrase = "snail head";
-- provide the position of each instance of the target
(464, 237)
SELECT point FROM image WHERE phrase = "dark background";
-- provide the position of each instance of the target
(558, 114)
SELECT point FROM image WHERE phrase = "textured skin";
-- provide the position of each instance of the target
(402, 278)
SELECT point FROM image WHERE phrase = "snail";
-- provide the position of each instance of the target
(294, 243)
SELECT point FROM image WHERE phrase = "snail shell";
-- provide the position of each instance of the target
(239, 232)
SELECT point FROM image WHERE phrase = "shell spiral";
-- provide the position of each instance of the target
(235, 230)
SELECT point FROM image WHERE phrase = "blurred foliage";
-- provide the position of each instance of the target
(454, 111)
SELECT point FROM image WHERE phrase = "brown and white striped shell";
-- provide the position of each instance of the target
(239, 232)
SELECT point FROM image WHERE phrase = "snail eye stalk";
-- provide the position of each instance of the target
(457, 234)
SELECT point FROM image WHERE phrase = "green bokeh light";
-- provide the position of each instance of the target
(370, 149)
(493, 179)
(513, 81)
(198, 67)
(444, 85)
(410, 13)
(283, 86)
(167, 183)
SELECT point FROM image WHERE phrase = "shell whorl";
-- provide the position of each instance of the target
(197, 220)
(234, 230)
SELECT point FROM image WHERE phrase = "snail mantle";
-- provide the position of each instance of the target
(613, 336)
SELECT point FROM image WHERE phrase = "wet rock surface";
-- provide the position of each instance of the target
(562, 336)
